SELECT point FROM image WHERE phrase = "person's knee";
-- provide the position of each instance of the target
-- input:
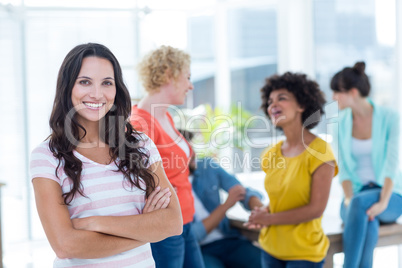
(360, 203)
(356, 204)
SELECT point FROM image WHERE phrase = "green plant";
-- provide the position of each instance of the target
(216, 129)
(241, 121)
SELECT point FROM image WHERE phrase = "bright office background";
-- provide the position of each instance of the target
(234, 44)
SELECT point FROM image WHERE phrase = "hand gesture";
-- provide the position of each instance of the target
(257, 217)
(375, 209)
(158, 199)
(236, 193)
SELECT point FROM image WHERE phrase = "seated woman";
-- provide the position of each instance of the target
(369, 173)
(221, 245)
(299, 172)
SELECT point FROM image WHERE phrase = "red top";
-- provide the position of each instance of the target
(175, 161)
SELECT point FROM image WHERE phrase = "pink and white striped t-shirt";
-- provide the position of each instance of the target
(107, 193)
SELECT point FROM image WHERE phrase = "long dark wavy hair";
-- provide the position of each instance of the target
(115, 129)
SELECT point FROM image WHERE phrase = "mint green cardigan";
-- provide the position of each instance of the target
(385, 149)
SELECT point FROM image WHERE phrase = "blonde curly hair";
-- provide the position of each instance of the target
(159, 65)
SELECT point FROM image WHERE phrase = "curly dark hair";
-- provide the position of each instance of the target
(352, 77)
(307, 92)
(123, 140)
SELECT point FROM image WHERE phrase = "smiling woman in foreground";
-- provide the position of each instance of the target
(92, 176)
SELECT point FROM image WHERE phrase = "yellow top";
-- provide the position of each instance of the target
(288, 184)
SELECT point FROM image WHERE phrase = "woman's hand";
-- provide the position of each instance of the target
(158, 199)
(380, 206)
(236, 193)
(348, 192)
(257, 218)
(376, 209)
(346, 201)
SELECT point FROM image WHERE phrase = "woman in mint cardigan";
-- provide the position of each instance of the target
(368, 161)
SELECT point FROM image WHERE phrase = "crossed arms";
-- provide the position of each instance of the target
(103, 236)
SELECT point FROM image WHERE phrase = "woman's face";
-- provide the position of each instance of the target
(94, 91)
(283, 108)
(344, 99)
(182, 85)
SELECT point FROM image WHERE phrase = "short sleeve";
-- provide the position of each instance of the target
(320, 152)
(43, 164)
(151, 149)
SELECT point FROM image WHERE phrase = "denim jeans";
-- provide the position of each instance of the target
(231, 252)
(178, 251)
(360, 235)
(270, 262)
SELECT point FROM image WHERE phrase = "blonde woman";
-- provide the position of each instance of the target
(165, 74)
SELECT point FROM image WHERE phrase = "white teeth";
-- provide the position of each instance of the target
(93, 105)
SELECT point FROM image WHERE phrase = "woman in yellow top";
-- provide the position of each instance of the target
(299, 171)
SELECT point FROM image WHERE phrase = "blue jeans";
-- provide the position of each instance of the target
(231, 252)
(270, 262)
(178, 251)
(360, 235)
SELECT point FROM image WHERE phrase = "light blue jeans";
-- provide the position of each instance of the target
(360, 235)
(178, 251)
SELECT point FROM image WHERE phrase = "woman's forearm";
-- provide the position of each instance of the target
(347, 189)
(213, 220)
(386, 191)
(320, 189)
(293, 216)
(83, 244)
(378, 207)
(150, 227)
(254, 202)
(65, 240)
